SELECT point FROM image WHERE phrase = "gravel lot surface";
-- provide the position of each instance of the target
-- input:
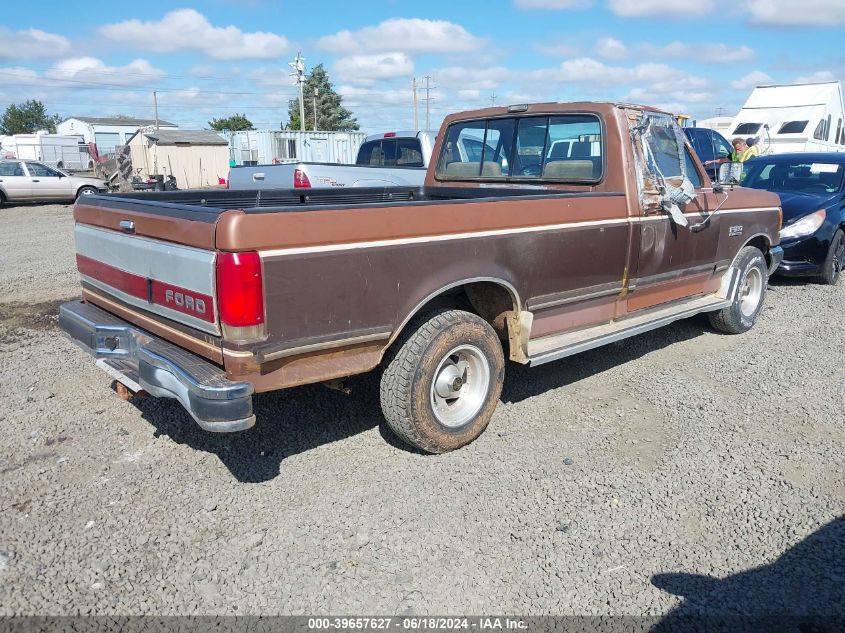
(608, 483)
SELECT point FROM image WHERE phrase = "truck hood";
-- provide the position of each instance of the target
(796, 205)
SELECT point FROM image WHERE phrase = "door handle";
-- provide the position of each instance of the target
(34, 180)
(258, 176)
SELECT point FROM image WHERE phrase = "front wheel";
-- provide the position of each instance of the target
(741, 315)
(85, 191)
(442, 381)
(832, 266)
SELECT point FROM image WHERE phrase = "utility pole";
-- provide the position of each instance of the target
(428, 99)
(493, 98)
(155, 105)
(316, 92)
(298, 66)
(416, 116)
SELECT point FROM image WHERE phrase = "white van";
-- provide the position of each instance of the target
(793, 118)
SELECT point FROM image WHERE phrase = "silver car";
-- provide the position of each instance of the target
(28, 180)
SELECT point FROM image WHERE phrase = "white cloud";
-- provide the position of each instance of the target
(708, 52)
(471, 78)
(91, 69)
(29, 43)
(367, 69)
(552, 4)
(187, 29)
(611, 48)
(788, 13)
(816, 77)
(670, 8)
(412, 35)
(660, 77)
(18, 75)
(751, 80)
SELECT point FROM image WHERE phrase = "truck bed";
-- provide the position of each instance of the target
(206, 205)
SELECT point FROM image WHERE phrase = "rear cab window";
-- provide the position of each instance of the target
(391, 152)
(554, 148)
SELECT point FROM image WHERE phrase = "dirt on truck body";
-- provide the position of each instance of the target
(568, 226)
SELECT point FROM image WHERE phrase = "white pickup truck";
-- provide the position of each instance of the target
(384, 160)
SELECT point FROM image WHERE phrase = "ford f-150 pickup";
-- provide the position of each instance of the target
(575, 225)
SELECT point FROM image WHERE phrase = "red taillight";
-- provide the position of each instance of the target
(300, 180)
(240, 289)
(389, 134)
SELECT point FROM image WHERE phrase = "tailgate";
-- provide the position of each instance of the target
(171, 280)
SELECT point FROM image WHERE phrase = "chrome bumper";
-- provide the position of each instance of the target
(143, 362)
(776, 254)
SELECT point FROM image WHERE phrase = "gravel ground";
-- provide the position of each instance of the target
(681, 471)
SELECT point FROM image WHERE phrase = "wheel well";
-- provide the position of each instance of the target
(761, 243)
(490, 300)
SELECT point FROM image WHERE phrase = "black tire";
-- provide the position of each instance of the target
(2, 198)
(834, 261)
(463, 351)
(741, 315)
(85, 191)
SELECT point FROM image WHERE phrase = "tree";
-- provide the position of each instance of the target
(331, 115)
(28, 118)
(233, 123)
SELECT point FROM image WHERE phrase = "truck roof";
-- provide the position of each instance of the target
(548, 107)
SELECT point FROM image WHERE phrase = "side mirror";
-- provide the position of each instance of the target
(730, 173)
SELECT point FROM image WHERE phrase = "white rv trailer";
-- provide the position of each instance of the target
(800, 118)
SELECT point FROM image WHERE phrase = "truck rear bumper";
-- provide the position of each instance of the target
(141, 361)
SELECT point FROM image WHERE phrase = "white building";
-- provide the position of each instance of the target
(107, 132)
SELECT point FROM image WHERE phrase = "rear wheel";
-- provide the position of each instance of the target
(442, 381)
(832, 266)
(2, 198)
(741, 315)
(85, 191)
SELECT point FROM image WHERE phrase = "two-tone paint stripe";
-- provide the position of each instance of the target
(564, 226)
(188, 302)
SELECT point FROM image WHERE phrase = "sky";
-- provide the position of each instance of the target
(221, 57)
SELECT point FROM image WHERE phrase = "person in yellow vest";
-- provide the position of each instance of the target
(745, 149)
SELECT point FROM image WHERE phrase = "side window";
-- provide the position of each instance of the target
(573, 148)
(37, 169)
(827, 129)
(408, 153)
(11, 169)
(819, 133)
(692, 172)
(370, 154)
(664, 156)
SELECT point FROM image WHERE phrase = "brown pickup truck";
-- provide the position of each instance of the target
(541, 231)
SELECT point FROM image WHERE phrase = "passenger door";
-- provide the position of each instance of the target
(14, 181)
(674, 261)
(47, 183)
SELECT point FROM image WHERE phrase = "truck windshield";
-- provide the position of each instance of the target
(794, 176)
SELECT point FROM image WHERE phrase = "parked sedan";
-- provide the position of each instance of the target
(812, 192)
(27, 180)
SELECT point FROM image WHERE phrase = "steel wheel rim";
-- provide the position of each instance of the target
(460, 386)
(752, 291)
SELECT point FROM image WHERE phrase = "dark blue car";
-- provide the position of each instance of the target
(710, 146)
(812, 192)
